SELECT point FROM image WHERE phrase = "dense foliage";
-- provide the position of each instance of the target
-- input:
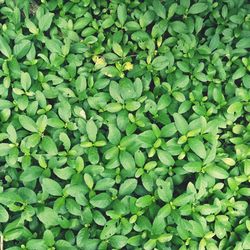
(125, 124)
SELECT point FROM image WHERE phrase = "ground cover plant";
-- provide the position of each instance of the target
(125, 124)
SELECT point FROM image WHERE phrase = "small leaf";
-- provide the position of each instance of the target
(113, 107)
(165, 157)
(45, 21)
(91, 130)
(65, 140)
(197, 147)
(30, 174)
(108, 22)
(180, 123)
(4, 216)
(80, 84)
(183, 199)
(88, 180)
(101, 200)
(159, 9)
(52, 187)
(122, 13)
(117, 49)
(110, 71)
(114, 135)
(160, 63)
(217, 172)
(4, 149)
(48, 217)
(193, 167)
(109, 230)
(28, 123)
(49, 145)
(25, 80)
(127, 160)
(197, 8)
(127, 187)
(4, 47)
(118, 241)
(144, 201)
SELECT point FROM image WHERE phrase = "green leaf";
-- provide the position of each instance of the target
(25, 80)
(193, 167)
(4, 47)
(235, 107)
(52, 187)
(109, 230)
(165, 157)
(48, 217)
(88, 180)
(63, 245)
(110, 71)
(243, 43)
(164, 190)
(164, 211)
(108, 22)
(28, 123)
(183, 199)
(64, 173)
(4, 216)
(22, 48)
(45, 21)
(114, 135)
(246, 241)
(179, 96)
(30, 174)
(197, 8)
(91, 130)
(144, 201)
(168, 130)
(217, 172)
(113, 107)
(4, 149)
(12, 133)
(159, 9)
(49, 238)
(36, 244)
(197, 147)
(127, 187)
(172, 9)
(150, 244)
(239, 73)
(117, 49)
(101, 200)
(122, 13)
(165, 238)
(118, 241)
(127, 160)
(104, 184)
(160, 63)
(65, 140)
(5, 104)
(49, 146)
(33, 140)
(179, 27)
(147, 18)
(180, 123)
(80, 84)
(158, 225)
(31, 26)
